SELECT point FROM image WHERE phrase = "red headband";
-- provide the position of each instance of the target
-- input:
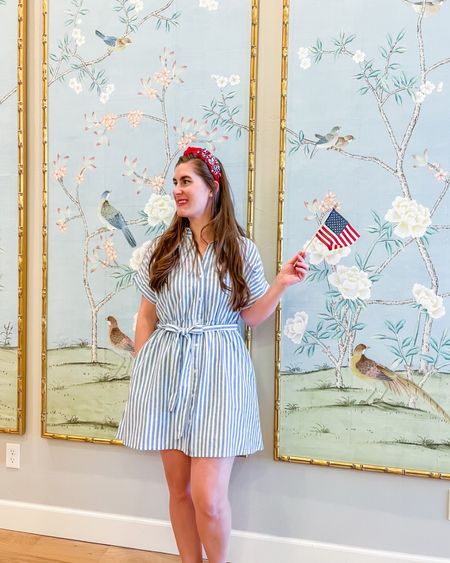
(208, 158)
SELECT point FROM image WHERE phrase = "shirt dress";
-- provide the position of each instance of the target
(193, 384)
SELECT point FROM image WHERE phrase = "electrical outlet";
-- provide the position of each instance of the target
(13, 456)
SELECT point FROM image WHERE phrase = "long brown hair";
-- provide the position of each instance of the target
(226, 232)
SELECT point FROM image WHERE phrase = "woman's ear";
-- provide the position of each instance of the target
(216, 188)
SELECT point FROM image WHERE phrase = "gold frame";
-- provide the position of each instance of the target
(22, 223)
(281, 192)
(250, 203)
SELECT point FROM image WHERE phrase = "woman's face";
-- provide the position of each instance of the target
(193, 197)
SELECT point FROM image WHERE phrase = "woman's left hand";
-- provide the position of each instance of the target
(294, 271)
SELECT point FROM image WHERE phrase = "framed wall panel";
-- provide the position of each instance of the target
(363, 347)
(128, 84)
(13, 224)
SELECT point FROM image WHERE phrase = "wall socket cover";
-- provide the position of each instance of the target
(13, 456)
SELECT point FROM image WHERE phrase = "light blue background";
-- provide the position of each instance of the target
(208, 42)
(326, 95)
(8, 170)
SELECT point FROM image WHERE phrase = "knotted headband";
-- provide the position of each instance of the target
(208, 158)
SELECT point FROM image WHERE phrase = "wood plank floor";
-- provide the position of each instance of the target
(17, 547)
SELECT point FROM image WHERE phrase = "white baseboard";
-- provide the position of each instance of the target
(156, 535)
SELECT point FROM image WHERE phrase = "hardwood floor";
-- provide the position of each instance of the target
(17, 547)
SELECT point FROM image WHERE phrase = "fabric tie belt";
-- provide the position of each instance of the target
(181, 385)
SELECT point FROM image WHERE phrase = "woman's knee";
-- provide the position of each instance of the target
(210, 504)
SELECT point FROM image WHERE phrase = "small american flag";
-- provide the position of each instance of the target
(336, 232)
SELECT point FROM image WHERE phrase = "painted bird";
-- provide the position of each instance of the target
(432, 7)
(116, 43)
(326, 141)
(113, 218)
(119, 341)
(342, 142)
(368, 370)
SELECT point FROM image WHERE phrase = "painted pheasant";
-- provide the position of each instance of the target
(368, 370)
(120, 342)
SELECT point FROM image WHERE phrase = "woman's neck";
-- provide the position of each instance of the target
(201, 237)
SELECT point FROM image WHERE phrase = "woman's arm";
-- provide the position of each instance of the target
(145, 324)
(294, 271)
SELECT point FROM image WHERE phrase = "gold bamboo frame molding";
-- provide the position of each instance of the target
(250, 202)
(281, 194)
(22, 220)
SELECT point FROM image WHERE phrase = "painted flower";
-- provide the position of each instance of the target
(138, 255)
(80, 40)
(75, 85)
(213, 5)
(411, 217)
(234, 79)
(317, 252)
(441, 175)
(104, 97)
(109, 121)
(222, 81)
(427, 88)
(159, 209)
(427, 299)
(60, 172)
(163, 77)
(303, 53)
(359, 56)
(352, 282)
(110, 252)
(420, 97)
(110, 88)
(62, 225)
(138, 5)
(305, 63)
(76, 32)
(440, 87)
(329, 202)
(148, 91)
(157, 183)
(135, 117)
(185, 141)
(295, 327)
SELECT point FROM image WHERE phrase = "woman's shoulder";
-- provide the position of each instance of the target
(249, 248)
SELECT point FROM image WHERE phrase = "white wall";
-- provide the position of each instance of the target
(345, 507)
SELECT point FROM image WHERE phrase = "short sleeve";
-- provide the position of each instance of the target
(254, 273)
(142, 277)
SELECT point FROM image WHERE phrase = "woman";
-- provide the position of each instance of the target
(193, 393)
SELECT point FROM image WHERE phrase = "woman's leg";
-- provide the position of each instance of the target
(177, 467)
(209, 483)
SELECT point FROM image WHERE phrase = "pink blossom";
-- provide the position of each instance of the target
(109, 121)
(135, 117)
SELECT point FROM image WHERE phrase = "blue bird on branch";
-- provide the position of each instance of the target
(113, 218)
(117, 43)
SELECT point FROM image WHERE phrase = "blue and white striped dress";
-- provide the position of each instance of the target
(193, 384)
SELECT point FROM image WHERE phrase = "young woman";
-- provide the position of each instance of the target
(193, 393)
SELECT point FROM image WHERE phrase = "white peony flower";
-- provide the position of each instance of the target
(413, 218)
(160, 209)
(295, 327)
(317, 252)
(303, 53)
(359, 56)
(427, 88)
(234, 79)
(431, 302)
(222, 81)
(420, 97)
(138, 255)
(305, 63)
(352, 282)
